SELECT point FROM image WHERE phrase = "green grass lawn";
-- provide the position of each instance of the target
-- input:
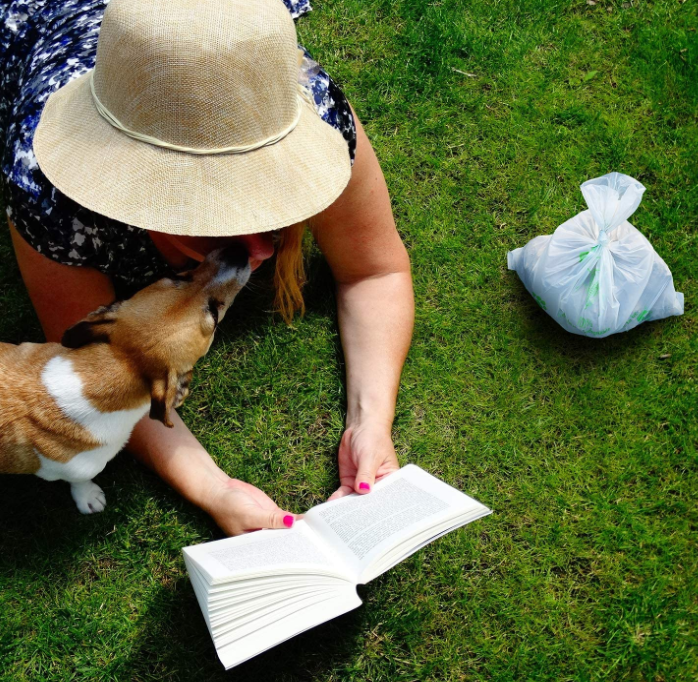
(486, 116)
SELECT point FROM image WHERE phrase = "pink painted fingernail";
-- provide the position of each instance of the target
(288, 520)
(364, 486)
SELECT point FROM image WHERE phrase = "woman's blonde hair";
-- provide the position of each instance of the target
(289, 276)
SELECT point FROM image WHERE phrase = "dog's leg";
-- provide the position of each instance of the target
(88, 496)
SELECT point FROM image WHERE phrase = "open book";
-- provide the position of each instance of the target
(260, 589)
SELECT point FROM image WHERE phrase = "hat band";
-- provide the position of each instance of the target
(110, 118)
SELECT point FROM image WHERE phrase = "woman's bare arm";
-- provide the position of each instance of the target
(375, 302)
(61, 294)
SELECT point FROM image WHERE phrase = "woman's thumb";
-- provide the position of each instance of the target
(265, 518)
(365, 478)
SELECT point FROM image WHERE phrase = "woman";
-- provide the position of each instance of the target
(202, 123)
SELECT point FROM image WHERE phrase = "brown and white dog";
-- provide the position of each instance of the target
(67, 409)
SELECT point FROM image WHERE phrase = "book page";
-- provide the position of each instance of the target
(362, 528)
(413, 544)
(265, 552)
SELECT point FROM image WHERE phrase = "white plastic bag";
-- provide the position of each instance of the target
(597, 275)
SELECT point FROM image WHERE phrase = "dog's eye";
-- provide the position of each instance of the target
(214, 305)
(187, 276)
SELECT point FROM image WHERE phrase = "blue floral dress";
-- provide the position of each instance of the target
(43, 45)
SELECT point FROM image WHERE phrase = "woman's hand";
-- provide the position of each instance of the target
(366, 454)
(238, 507)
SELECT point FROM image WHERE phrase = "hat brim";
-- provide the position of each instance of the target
(174, 192)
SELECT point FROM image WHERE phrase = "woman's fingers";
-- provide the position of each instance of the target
(355, 453)
(256, 518)
(366, 454)
(375, 469)
(342, 491)
(366, 475)
(377, 459)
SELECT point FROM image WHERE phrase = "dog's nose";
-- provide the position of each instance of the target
(233, 256)
(231, 265)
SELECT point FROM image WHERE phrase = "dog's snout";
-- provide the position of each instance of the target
(231, 265)
(234, 256)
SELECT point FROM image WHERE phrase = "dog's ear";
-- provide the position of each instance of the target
(95, 328)
(167, 394)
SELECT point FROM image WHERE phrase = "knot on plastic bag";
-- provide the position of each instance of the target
(612, 199)
(603, 238)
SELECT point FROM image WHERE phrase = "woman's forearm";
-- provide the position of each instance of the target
(375, 302)
(178, 458)
(376, 317)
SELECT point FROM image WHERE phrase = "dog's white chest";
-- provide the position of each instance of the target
(111, 429)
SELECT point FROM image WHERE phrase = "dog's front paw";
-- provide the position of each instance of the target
(88, 496)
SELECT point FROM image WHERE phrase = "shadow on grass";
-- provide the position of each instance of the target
(44, 538)
(43, 533)
(550, 339)
(177, 645)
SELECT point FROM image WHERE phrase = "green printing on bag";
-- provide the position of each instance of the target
(640, 317)
(540, 302)
(592, 267)
(584, 254)
(583, 324)
(592, 294)
(593, 290)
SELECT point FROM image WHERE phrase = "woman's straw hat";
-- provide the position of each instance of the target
(193, 123)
